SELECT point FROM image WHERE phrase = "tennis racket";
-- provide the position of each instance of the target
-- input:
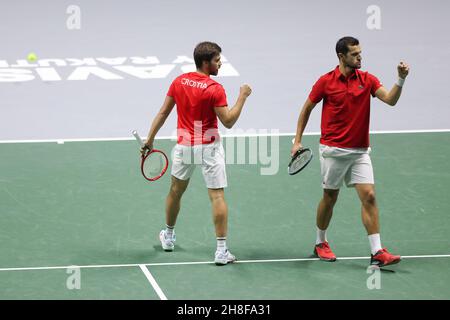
(299, 160)
(154, 163)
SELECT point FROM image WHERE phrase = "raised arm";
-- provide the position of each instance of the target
(301, 125)
(158, 121)
(391, 97)
(227, 116)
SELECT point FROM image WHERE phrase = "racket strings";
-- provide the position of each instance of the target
(154, 164)
(300, 161)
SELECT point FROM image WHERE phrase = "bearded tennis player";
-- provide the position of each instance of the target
(344, 143)
(200, 100)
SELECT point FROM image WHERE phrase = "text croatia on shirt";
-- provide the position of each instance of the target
(196, 95)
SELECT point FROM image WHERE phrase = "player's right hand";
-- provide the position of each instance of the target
(245, 90)
(147, 147)
(295, 148)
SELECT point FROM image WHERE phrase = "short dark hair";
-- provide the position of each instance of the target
(343, 44)
(205, 51)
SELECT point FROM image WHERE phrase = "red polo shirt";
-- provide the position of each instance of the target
(196, 95)
(346, 107)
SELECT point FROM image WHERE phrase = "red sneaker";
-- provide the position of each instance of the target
(323, 251)
(384, 258)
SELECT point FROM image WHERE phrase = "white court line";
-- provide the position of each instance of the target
(153, 282)
(222, 135)
(208, 262)
(157, 138)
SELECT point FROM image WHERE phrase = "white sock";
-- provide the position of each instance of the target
(375, 242)
(321, 236)
(221, 244)
(169, 231)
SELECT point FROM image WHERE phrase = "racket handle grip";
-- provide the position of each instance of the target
(138, 138)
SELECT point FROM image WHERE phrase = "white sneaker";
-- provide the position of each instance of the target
(224, 257)
(167, 243)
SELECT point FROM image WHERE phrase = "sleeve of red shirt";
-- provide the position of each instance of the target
(219, 97)
(171, 92)
(375, 84)
(318, 91)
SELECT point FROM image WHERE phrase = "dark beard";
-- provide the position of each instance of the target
(354, 67)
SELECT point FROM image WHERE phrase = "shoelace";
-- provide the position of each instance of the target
(325, 246)
(225, 253)
(382, 251)
(171, 239)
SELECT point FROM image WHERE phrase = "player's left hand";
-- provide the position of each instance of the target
(403, 69)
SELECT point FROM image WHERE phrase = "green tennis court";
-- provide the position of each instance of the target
(85, 204)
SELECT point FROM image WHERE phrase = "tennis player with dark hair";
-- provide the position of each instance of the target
(344, 142)
(200, 101)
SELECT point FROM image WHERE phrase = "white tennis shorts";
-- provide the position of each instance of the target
(211, 158)
(341, 164)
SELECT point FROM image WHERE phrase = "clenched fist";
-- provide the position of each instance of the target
(245, 90)
(403, 69)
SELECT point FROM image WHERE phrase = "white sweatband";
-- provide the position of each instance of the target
(400, 82)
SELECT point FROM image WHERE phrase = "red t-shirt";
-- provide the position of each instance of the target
(196, 95)
(346, 107)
